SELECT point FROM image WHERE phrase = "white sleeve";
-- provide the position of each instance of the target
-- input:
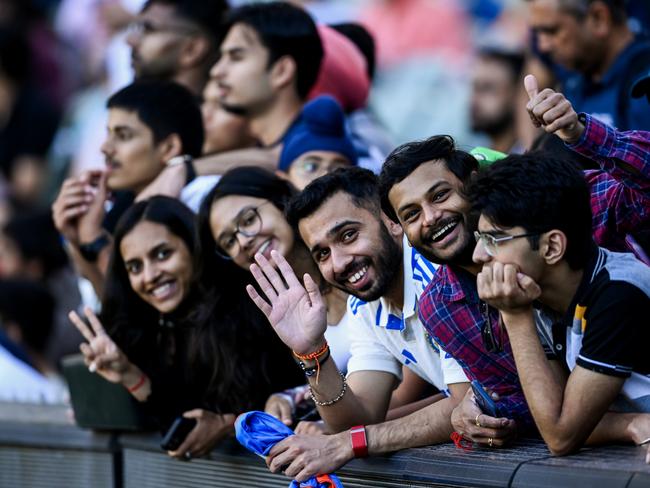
(367, 353)
(451, 370)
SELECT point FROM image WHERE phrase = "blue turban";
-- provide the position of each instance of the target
(322, 129)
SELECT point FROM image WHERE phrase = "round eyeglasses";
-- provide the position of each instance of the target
(247, 223)
(491, 243)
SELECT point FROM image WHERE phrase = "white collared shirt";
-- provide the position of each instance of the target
(384, 337)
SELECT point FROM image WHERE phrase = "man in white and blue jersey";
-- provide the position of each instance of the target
(362, 252)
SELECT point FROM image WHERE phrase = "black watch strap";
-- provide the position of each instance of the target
(90, 251)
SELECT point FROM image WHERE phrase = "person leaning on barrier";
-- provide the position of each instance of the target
(535, 244)
(177, 342)
(358, 250)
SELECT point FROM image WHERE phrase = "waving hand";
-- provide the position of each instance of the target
(297, 313)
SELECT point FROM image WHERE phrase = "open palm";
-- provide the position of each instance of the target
(297, 313)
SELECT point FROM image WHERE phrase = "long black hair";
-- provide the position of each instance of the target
(249, 181)
(212, 324)
(268, 361)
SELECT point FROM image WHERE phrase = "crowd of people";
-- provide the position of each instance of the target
(256, 240)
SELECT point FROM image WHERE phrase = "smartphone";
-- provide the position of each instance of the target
(484, 401)
(177, 433)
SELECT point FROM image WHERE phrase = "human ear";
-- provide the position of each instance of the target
(171, 146)
(394, 228)
(283, 72)
(194, 51)
(552, 245)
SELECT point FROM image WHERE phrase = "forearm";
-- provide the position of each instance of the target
(353, 408)
(409, 408)
(542, 387)
(613, 427)
(429, 425)
(625, 155)
(221, 162)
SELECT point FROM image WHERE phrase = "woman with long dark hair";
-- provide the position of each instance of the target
(244, 215)
(179, 342)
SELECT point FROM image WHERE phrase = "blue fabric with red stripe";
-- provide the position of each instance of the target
(259, 432)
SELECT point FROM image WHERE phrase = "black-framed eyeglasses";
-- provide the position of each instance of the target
(142, 27)
(247, 223)
(491, 243)
(491, 340)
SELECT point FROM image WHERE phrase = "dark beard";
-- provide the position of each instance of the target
(463, 256)
(494, 127)
(387, 267)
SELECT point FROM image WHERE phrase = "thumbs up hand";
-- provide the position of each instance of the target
(553, 112)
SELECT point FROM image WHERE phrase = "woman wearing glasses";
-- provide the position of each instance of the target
(244, 215)
(180, 344)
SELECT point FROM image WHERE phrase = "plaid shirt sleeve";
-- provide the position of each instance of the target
(609, 147)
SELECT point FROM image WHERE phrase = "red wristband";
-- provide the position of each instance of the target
(138, 385)
(359, 441)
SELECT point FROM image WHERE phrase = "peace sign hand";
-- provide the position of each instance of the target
(101, 354)
(297, 313)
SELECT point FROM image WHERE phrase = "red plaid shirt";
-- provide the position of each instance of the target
(620, 195)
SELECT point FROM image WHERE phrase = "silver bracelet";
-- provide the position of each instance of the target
(344, 388)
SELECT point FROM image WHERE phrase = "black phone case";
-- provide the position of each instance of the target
(177, 433)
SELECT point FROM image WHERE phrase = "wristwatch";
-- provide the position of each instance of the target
(186, 159)
(90, 250)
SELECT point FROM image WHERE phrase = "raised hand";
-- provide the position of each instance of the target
(101, 354)
(298, 314)
(552, 111)
(72, 202)
(90, 222)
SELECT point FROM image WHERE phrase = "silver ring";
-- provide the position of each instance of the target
(490, 441)
(478, 424)
(187, 455)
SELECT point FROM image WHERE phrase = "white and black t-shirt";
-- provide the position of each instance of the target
(607, 327)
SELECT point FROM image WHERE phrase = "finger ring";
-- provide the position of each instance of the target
(478, 424)
(188, 455)
(490, 441)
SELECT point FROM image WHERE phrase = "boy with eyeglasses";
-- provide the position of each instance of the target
(535, 246)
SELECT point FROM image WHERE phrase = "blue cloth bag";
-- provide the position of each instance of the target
(259, 432)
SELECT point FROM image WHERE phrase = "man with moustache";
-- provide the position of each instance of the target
(151, 124)
(360, 251)
(422, 188)
(493, 99)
